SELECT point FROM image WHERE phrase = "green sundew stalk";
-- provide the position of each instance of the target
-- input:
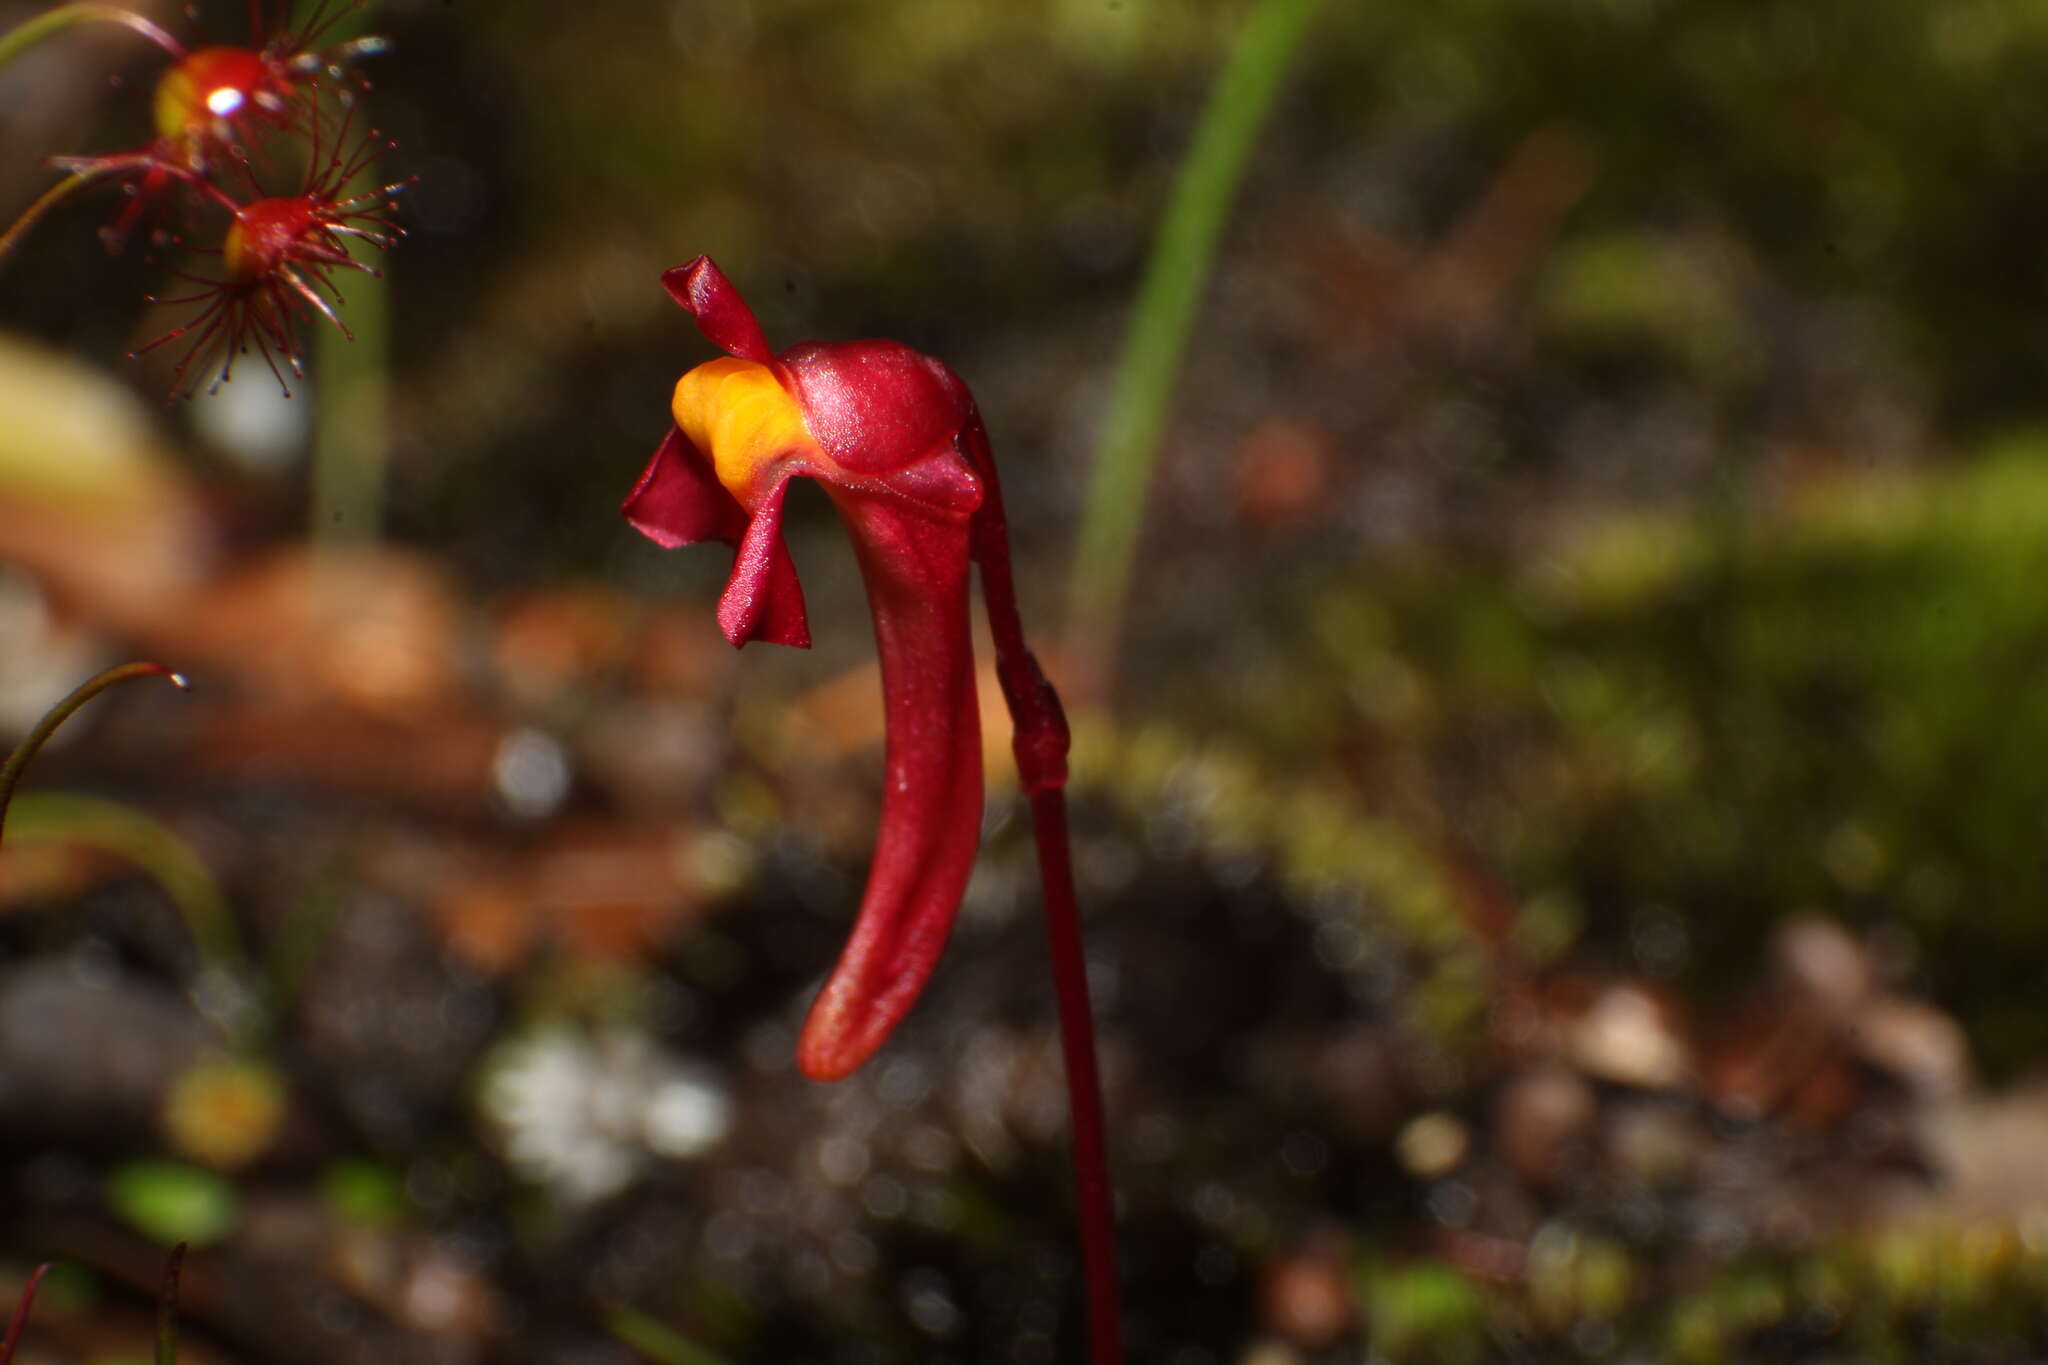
(1183, 254)
(352, 428)
(45, 201)
(154, 848)
(29, 32)
(132, 835)
(10, 772)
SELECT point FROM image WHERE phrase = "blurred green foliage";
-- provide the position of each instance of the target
(1910, 1294)
(1876, 148)
(1819, 703)
(170, 1202)
(1423, 1310)
(1619, 295)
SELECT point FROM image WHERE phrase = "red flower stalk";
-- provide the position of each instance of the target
(276, 262)
(19, 1318)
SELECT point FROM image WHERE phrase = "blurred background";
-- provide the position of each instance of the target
(1563, 818)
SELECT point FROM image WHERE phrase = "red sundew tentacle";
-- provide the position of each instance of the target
(312, 296)
(915, 568)
(324, 18)
(219, 302)
(270, 331)
(309, 251)
(207, 323)
(205, 349)
(381, 240)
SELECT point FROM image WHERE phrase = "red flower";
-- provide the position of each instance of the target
(276, 261)
(895, 439)
(211, 101)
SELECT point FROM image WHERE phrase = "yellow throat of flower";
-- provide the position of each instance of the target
(177, 103)
(738, 414)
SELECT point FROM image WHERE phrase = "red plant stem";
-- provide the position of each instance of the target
(1097, 1202)
(1040, 742)
(20, 1318)
(167, 1309)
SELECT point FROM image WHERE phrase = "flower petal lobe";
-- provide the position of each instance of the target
(679, 500)
(763, 600)
(722, 315)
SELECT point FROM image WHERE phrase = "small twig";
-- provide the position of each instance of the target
(1177, 271)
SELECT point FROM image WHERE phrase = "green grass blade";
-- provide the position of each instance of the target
(655, 1340)
(151, 846)
(1183, 253)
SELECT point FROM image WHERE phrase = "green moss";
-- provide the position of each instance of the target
(1423, 1311)
(1623, 293)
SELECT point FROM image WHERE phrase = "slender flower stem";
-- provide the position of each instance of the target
(1040, 741)
(29, 32)
(1176, 272)
(352, 423)
(167, 1309)
(85, 170)
(352, 382)
(1095, 1199)
(151, 847)
(20, 1317)
(10, 775)
(46, 201)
